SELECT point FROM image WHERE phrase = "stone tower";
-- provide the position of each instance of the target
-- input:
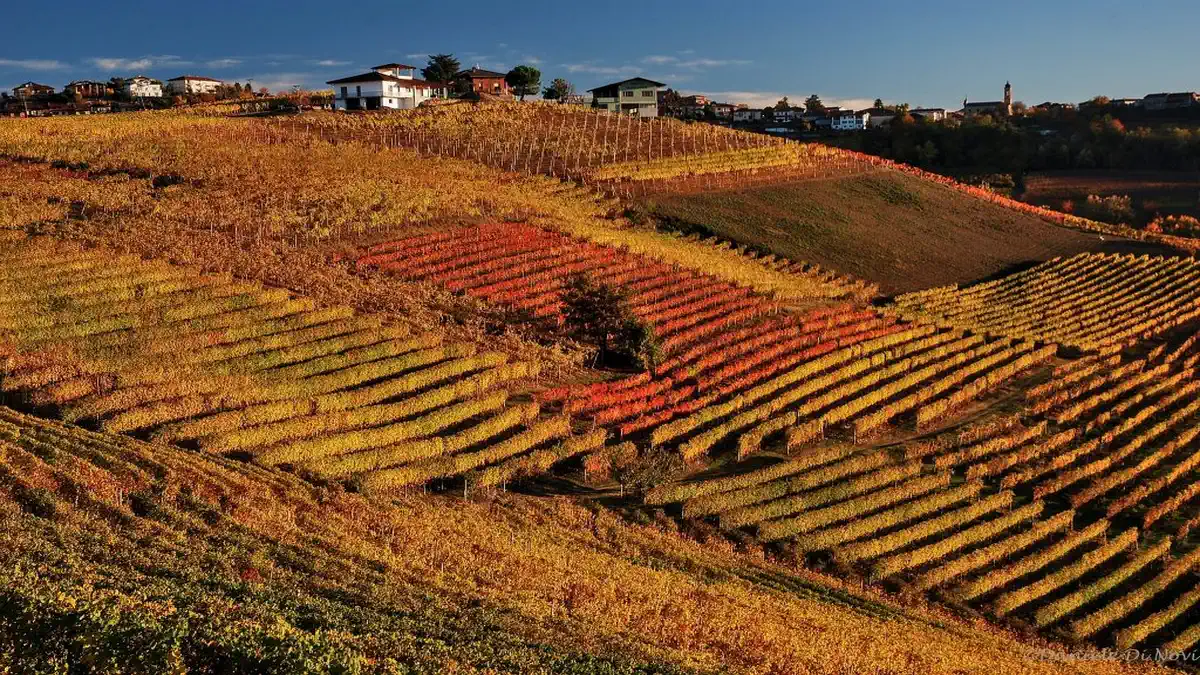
(1008, 98)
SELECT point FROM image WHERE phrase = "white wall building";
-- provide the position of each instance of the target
(143, 87)
(848, 120)
(783, 115)
(389, 86)
(747, 115)
(192, 84)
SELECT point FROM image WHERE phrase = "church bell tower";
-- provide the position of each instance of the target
(1008, 98)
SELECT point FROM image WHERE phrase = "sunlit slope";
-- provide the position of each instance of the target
(899, 231)
(146, 558)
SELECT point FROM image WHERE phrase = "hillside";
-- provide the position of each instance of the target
(376, 444)
(142, 558)
(895, 230)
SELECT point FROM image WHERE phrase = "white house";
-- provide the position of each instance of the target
(747, 115)
(723, 111)
(783, 115)
(142, 87)
(635, 96)
(389, 86)
(848, 120)
(192, 84)
(932, 114)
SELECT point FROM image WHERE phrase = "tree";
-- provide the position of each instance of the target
(441, 68)
(926, 153)
(813, 105)
(783, 104)
(558, 90)
(877, 104)
(524, 80)
(600, 314)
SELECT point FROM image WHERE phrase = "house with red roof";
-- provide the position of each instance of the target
(482, 81)
(388, 86)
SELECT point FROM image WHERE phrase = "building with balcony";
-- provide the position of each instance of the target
(192, 84)
(636, 96)
(88, 89)
(849, 120)
(31, 90)
(142, 87)
(388, 86)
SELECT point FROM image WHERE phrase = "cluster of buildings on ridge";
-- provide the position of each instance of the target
(837, 119)
(86, 95)
(395, 86)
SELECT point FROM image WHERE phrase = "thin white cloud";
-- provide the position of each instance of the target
(532, 60)
(32, 64)
(141, 63)
(593, 69)
(693, 64)
(330, 63)
(713, 63)
(121, 64)
(223, 63)
(416, 56)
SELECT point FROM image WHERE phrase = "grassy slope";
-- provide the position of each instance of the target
(143, 558)
(898, 231)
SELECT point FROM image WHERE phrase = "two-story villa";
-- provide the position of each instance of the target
(391, 85)
(143, 87)
(636, 96)
(32, 89)
(193, 84)
(482, 81)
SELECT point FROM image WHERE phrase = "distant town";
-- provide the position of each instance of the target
(396, 86)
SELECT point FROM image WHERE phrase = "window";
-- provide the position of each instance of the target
(343, 92)
(647, 92)
(628, 93)
(358, 90)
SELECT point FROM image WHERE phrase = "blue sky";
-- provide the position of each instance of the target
(930, 53)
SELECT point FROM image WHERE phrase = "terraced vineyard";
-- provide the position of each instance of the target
(1090, 301)
(848, 373)
(1073, 514)
(618, 153)
(123, 552)
(525, 267)
(235, 368)
(732, 361)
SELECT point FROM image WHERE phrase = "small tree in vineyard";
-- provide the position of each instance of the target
(524, 80)
(600, 315)
(558, 90)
